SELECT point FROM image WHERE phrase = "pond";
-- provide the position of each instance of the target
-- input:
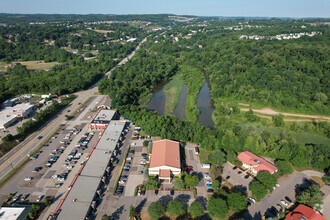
(204, 103)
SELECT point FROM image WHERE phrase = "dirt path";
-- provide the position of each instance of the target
(268, 111)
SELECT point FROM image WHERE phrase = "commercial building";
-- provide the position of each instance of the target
(15, 212)
(165, 159)
(103, 118)
(255, 164)
(305, 213)
(79, 200)
(10, 115)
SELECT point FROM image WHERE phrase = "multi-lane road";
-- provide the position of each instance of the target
(21, 151)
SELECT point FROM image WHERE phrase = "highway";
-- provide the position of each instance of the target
(10, 160)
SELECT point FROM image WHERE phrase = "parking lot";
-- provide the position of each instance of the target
(237, 177)
(287, 186)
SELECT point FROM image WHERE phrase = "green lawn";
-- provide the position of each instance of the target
(172, 92)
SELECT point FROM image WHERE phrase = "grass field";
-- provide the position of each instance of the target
(32, 65)
(172, 92)
(301, 138)
(103, 31)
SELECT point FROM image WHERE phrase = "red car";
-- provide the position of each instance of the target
(190, 168)
(143, 192)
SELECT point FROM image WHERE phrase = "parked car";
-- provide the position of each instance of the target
(70, 167)
(122, 181)
(142, 165)
(39, 198)
(284, 202)
(25, 197)
(172, 192)
(128, 158)
(252, 200)
(33, 157)
(28, 179)
(208, 185)
(58, 184)
(288, 199)
(123, 177)
(207, 176)
(322, 193)
(190, 168)
(17, 197)
(208, 182)
(141, 172)
(227, 177)
(209, 190)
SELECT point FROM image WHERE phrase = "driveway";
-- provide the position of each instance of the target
(287, 187)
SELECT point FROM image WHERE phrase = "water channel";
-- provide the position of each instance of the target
(204, 103)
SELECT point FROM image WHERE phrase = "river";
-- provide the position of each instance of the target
(204, 103)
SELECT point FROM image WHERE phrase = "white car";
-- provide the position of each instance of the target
(122, 181)
(129, 158)
(66, 137)
(39, 198)
(142, 162)
(208, 182)
(54, 137)
(65, 164)
(133, 144)
(207, 176)
(62, 142)
(284, 202)
(28, 179)
(252, 200)
(277, 185)
(70, 167)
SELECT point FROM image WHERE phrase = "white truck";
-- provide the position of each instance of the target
(206, 166)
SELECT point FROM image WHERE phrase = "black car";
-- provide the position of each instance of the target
(246, 176)
(288, 199)
(156, 191)
(172, 192)
(227, 177)
(123, 177)
(234, 168)
(273, 210)
(210, 190)
(40, 137)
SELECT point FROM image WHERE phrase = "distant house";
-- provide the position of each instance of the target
(165, 159)
(255, 163)
(305, 213)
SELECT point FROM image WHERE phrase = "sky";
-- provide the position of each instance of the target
(246, 8)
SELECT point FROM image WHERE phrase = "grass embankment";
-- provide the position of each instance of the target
(120, 172)
(172, 92)
(195, 81)
(32, 65)
(27, 159)
(301, 138)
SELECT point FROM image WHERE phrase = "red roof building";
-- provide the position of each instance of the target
(255, 164)
(165, 159)
(303, 212)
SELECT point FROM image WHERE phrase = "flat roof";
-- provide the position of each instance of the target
(104, 115)
(5, 118)
(85, 187)
(10, 213)
(111, 135)
(78, 202)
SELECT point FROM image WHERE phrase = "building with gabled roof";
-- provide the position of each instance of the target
(303, 212)
(255, 163)
(165, 159)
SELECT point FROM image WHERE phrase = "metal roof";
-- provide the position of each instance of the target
(84, 189)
